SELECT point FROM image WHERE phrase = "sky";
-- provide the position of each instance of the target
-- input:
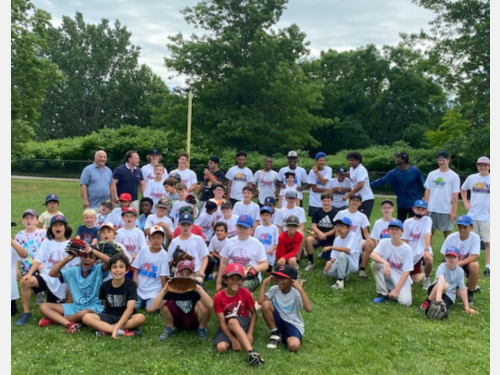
(329, 24)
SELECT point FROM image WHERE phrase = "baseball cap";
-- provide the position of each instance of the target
(403, 155)
(234, 269)
(286, 271)
(108, 225)
(176, 175)
(345, 220)
(396, 223)
(387, 201)
(443, 154)
(452, 250)
(464, 220)
(186, 218)
(289, 173)
(292, 221)
(155, 229)
(245, 220)
(129, 210)
(226, 205)
(126, 197)
(162, 202)
(30, 211)
(420, 203)
(186, 210)
(269, 200)
(51, 197)
(341, 170)
(214, 158)
(185, 265)
(292, 154)
(291, 194)
(265, 209)
(154, 152)
(320, 155)
(107, 203)
(355, 195)
(58, 218)
(483, 160)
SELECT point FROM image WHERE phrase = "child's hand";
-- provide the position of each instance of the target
(235, 344)
(270, 252)
(471, 311)
(297, 285)
(281, 262)
(25, 280)
(268, 279)
(387, 270)
(393, 294)
(327, 266)
(250, 337)
(114, 334)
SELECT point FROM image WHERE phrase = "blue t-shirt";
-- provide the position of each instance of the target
(128, 181)
(408, 185)
(84, 290)
(87, 234)
(98, 182)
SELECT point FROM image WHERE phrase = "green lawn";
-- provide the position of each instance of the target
(345, 333)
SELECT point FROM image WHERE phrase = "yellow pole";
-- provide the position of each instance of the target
(190, 107)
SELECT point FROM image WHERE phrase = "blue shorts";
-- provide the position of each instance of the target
(326, 255)
(286, 329)
(71, 308)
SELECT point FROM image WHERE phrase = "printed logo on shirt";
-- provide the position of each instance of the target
(86, 295)
(385, 233)
(233, 310)
(479, 187)
(439, 182)
(266, 239)
(394, 265)
(325, 223)
(148, 270)
(240, 177)
(415, 234)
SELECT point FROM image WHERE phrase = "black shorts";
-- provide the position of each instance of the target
(42, 287)
(221, 336)
(111, 318)
(403, 213)
(367, 207)
(466, 270)
(446, 299)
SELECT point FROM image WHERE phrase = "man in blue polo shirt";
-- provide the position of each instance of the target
(128, 177)
(96, 182)
(406, 181)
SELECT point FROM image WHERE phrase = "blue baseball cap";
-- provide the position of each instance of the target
(464, 220)
(51, 197)
(58, 218)
(355, 195)
(270, 200)
(320, 155)
(452, 250)
(186, 218)
(420, 203)
(345, 220)
(30, 211)
(396, 223)
(266, 209)
(245, 220)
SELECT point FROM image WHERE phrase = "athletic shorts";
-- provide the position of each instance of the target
(312, 210)
(446, 299)
(286, 329)
(221, 336)
(42, 287)
(482, 228)
(367, 207)
(181, 319)
(72, 308)
(441, 221)
(416, 267)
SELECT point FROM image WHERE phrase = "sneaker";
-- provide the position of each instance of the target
(304, 252)
(273, 341)
(486, 272)
(73, 327)
(39, 298)
(297, 266)
(202, 333)
(471, 298)
(362, 274)
(319, 256)
(209, 278)
(338, 285)
(426, 283)
(166, 334)
(255, 359)
(309, 267)
(380, 298)
(477, 290)
(424, 305)
(100, 333)
(45, 322)
(132, 332)
(23, 319)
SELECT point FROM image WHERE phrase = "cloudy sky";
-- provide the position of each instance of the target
(335, 24)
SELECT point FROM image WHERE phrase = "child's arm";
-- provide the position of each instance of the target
(368, 240)
(124, 318)
(205, 298)
(279, 201)
(158, 300)
(306, 302)
(104, 258)
(465, 299)
(56, 270)
(253, 321)
(163, 281)
(262, 291)
(395, 292)
(94, 241)
(23, 253)
(134, 277)
(272, 249)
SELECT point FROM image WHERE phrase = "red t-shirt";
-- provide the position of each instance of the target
(195, 229)
(238, 305)
(288, 247)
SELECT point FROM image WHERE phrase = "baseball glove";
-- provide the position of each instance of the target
(437, 310)
(179, 255)
(191, 199)
(76, 247)
(107, 248)
(181, 285)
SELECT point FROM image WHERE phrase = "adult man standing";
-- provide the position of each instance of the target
(318, 177)
(188, 177)
(128, 178)
(238, 177)
(265, 181)
(300, 173)
(211, 176)
(148, 171)
(406, 181)
(360, 183)
(96, 182)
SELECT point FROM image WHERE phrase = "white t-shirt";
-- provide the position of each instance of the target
(148, 172)
(414, 231)
(479, 187)
(176, 208)
(240, 177)
(380, 229)
(265, 183)
(315, 198)
(283, 194)
(153, 219)
(268, 237)
(442, 186)
(14, 258)
(231, 224)
(359, 174)
(194, 246)
(338, 202)
(115, 218)
(50, 253)
(188, 177)
(359, 221)
(150, 267)
(154, 190)
(252, 210)
(216, 245)
(249, 252)
(283, 214)
(133, 239)
(300, 175)
(352, 243)
(205, 221)
(471, 246)
(399, 258)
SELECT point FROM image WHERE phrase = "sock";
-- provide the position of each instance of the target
(361, 268)
(274, 331)
(121, 331)
(310, 258)
(339, 279)
(487, 265)
(251, 351)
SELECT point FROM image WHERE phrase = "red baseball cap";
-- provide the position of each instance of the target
(234, 269)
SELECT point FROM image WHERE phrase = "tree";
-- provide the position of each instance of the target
(249, 91)
(103, 86)
(30, 71)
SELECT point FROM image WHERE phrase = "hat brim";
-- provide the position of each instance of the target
(233, 273)
(452, 253)
(130, 212)
(281, 274)
(244, 225)
(341, 222)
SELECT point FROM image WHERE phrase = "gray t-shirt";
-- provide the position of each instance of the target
(288, 306)
(454, 278)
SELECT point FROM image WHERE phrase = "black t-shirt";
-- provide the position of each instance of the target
(207, 192)
(324, 221)
(117, 298)
(185, 301)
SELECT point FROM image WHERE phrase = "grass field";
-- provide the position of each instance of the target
(346, 333)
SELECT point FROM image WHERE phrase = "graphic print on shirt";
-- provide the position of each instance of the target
(480, 187)
(86, 295)
(148, 270)
(232, 310)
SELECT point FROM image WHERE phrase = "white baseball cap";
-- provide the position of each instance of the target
(483, 160)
